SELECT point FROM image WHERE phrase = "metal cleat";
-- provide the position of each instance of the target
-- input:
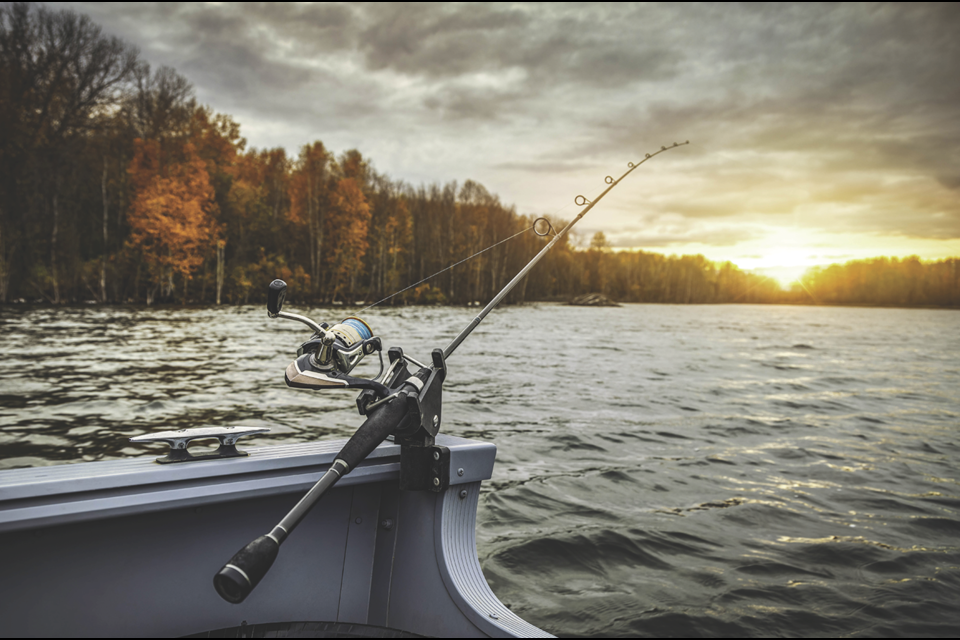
(179, 440)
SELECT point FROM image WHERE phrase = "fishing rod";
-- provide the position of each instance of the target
(403, 400)
(580, 201)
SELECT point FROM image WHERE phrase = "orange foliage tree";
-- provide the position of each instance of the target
(348, 221)
(173, 214)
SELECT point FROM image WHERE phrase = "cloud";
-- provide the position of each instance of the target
(664, 236)
(438, 41)
(837, 116)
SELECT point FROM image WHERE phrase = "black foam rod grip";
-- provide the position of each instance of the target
(275, 296)
(375, 429)
(238, 577)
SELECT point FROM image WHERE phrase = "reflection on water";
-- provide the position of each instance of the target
(662, 470)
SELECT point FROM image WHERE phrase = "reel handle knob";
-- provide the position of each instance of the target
(275, 296)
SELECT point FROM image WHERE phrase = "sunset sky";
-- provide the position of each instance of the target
(818, 133)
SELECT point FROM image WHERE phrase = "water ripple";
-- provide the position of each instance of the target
(702, 471)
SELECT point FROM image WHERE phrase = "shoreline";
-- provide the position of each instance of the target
(475, 305)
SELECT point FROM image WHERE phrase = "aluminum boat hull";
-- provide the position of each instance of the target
(130, 547)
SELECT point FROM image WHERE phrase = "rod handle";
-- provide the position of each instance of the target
(246, 568)
(382, 422)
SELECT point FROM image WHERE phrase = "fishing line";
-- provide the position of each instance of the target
(522, 231)
(580, 201)
(548, 231)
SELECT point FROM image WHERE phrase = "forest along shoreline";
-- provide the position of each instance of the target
(117, 186)
(80, 304)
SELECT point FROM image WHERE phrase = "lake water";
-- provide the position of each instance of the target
(662, 470)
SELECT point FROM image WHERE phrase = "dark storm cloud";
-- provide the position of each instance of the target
(433, 40)
(852, 105)
(439, 43)
(550, 44)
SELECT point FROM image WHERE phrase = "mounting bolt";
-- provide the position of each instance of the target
(460, 472)
(494, 616)
(463, 494)
(436, 421)
(359, 520)
(436, 455)
(387, 524)
(436, 482)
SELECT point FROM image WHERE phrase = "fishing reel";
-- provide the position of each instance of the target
(327, 358)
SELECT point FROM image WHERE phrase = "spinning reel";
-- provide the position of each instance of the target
(327, 358)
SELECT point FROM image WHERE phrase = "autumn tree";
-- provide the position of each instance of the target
(110, 173)
(348, 223)
(216, 139)
(59, 74)
(173, 215)
(160, 104)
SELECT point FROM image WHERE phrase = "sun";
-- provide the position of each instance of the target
(786, 265)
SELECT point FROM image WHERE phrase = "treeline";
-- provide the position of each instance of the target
(117, 186)
(648, 277)
(883, 281)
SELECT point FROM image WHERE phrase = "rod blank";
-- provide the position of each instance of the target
(580, 200)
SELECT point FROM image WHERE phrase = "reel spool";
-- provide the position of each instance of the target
(352, 330)
(342, 346)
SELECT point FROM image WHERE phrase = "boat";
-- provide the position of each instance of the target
(385, 540)
(129, 547)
